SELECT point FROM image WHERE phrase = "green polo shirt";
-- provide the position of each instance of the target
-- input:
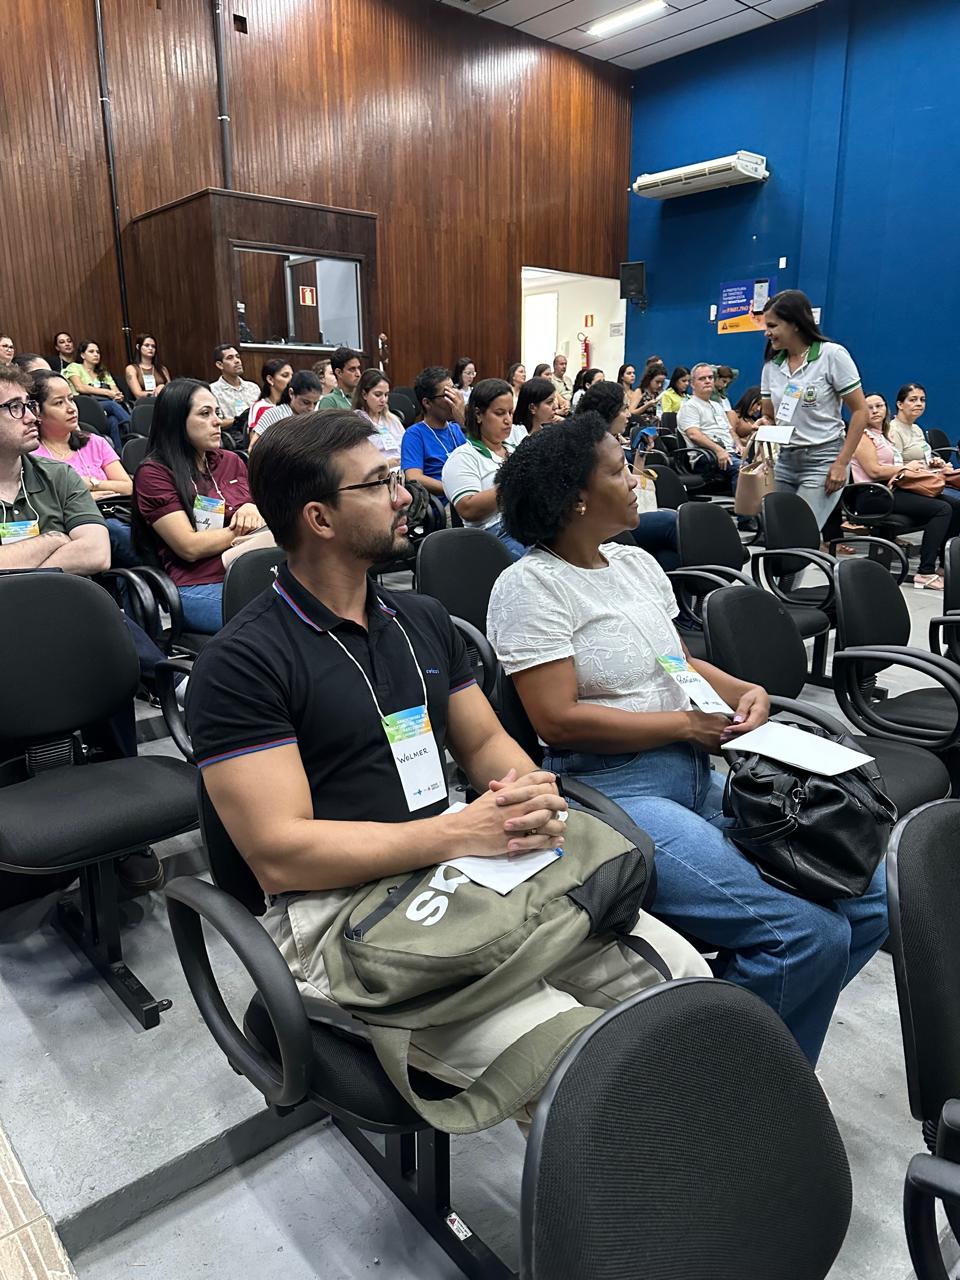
(334, 400)
(57, 495)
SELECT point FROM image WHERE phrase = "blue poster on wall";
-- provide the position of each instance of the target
(741, 304)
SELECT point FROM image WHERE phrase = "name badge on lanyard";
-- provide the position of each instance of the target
(792, 393)
(18, 531)
(700, 693)
(411, 741)
(209, 513)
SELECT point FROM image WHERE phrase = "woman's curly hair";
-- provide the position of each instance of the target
(605, 398)
(539, 484)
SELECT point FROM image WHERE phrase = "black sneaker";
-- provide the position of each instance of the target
(139, 872)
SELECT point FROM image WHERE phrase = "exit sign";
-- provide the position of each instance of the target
(308, 296)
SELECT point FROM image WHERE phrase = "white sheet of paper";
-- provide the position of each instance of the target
(802, 750)
(506, 872)
(774, 435)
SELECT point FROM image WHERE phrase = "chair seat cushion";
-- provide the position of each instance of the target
(696, 642)
(925, 708)
(347, 1078)
(810, 622)
(911, 776)
(68, 817)
(810, 597)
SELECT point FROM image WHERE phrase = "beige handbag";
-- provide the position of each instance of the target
(754, 482)
(646, 490)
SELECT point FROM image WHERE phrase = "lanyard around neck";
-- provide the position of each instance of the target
(366, 680)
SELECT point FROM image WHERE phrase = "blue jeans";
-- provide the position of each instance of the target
(117, 417)
(711, 468)
(122, 554)
(804, 471)
(657, 533)
(202, 607)
(795, 954)
(516, 549)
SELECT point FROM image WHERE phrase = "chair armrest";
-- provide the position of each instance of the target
(687, 598)
(815, 559)
(166, 678)
(168, 598)
(806, 711)
(878, 496)
(885, 543)
(692, 453)
(937, 627)
(488, 659)
(190, 902)
(140, 599)
(730, 576)
(929, 1179)
(867, 716)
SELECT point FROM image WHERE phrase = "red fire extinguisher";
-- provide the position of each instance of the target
(584, 350)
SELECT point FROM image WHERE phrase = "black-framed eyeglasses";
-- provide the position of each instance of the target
(393, 481)
(17, 408)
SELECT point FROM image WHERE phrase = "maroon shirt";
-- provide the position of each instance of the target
(155, 495)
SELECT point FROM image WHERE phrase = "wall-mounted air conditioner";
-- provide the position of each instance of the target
(728, 171)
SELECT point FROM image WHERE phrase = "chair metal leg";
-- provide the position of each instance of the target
(416, 1168)
(95, 927)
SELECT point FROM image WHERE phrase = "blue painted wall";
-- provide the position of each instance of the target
(857, 107)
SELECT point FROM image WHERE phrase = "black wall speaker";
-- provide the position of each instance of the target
(633, 280)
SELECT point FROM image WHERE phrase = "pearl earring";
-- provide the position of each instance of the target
(581, 510)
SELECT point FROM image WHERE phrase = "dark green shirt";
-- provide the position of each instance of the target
(334, 400)
(57, 495)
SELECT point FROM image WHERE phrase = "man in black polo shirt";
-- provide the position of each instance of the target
(293, 705)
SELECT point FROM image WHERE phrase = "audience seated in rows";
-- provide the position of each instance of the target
(648, 405)
(706, 425)
(235, 396)
(537, 405)
(371, 401)
(516, 377)
(464, 376)
(91, 456)
(469, 474)
(339, 812)
(906, 435)
(723, 376)
(30, 362)
(275, 377)
(560, 380)
(579, 624)
(324, 371)
(585, 378)
(88, 377)
(7, 348)
(747, 413)
(147, 374)
(191, 499)
(300, 395)
(347, 365)
(427, 444)
(64, 351)
(671, 400)
(877, 460)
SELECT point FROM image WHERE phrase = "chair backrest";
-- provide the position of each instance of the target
(404, 397)
(938, 439)
(400, 405)
(142, 416)
(512, 715)
(248, 576)
(134, 452)
(651, 1157)
(670, 491)
(458, 567)
(871, 609)
(923, 884)
(789, 522)
(66, 653)
(951, 577)
(706, 534)
(91, 415)
(668, 424)
(750, 635)
(227, 866)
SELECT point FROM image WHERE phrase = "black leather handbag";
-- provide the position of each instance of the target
(819, 837)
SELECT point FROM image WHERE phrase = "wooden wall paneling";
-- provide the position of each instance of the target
(481, 149)
(57, 265)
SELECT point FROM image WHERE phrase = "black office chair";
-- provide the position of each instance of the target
(939, 442)
(929, 1179)
(944, 636)
(683, 460)
(750, 635)
(870, 506)
(133, 453)
(142, 416)
(458, 567)
(652, 1157)
(248, 576)
(91, 415)
(789, 522)
(62, 810)
(404, 397)
(708, 539)
(400, 405)
(670, 490)
(873, 633)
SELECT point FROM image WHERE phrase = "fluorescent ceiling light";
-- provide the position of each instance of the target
(628, 18)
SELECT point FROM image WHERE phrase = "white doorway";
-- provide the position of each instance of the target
(557, 306)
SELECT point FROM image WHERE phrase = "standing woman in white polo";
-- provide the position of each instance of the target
(806, 378)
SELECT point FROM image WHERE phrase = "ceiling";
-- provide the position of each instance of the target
(681, 26)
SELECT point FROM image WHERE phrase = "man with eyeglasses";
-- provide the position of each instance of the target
(47, 516)
(292, 710)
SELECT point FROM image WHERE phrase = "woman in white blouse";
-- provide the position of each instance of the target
(581, 625)
(371, 399)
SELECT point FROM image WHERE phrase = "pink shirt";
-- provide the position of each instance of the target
(92, 460)
(886, 455)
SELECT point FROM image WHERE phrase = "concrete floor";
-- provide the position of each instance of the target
(112, 1124)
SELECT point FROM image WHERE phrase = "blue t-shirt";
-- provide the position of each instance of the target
(427, 450)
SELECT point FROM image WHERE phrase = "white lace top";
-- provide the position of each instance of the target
(613, 622)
